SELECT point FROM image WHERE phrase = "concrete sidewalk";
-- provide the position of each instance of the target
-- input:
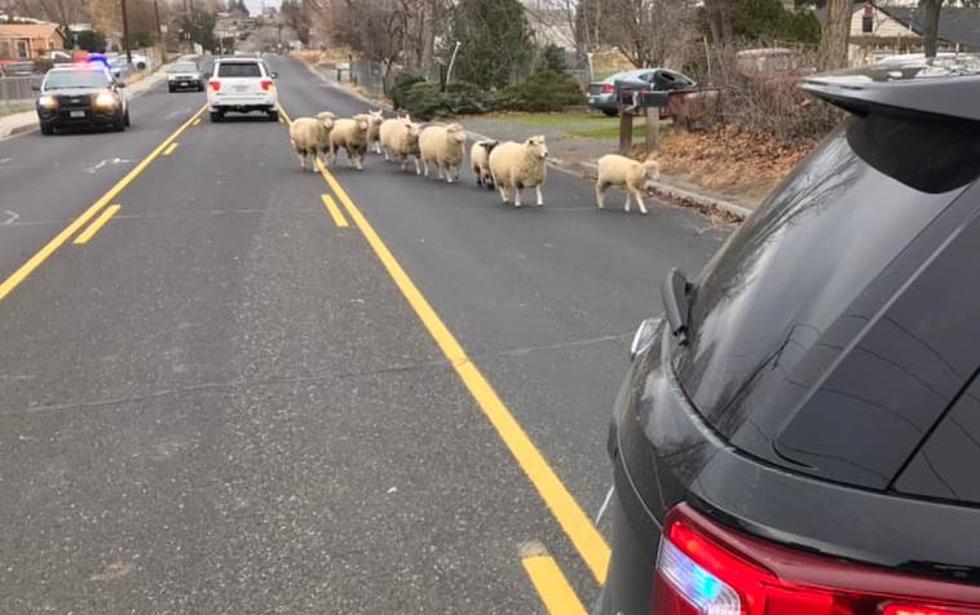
(17, 123)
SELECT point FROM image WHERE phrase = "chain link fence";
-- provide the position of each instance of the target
(17, 92)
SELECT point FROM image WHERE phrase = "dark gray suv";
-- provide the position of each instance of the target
(800, 433)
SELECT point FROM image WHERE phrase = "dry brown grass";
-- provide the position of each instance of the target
(728, 161)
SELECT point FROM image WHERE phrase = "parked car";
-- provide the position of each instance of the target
(122, 67)
(800, 433)
(602, 94)
(184, 76)
(16, 68)
(242, 85)
(85, 95)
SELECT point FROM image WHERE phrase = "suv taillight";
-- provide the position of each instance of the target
(706, 569)
(215, 84)
(266, 84)
(607, 88)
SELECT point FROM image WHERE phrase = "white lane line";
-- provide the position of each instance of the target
(13, 216)
(605, 504)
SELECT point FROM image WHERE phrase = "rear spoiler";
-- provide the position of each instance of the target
(899, 91)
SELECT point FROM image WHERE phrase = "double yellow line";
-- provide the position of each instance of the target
(15, 279)
(583, 534)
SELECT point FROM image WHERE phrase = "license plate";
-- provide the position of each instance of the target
(240, 88)
(77, 114)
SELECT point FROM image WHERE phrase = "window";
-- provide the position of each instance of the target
(23, 49)
(239, 69)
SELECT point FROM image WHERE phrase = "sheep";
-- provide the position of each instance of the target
(479, 160)
(387, 129)
(518, 166)
(351, 134)
(310, 137)
(626, 173)
(374, 129)
(403, 141)
(443, 146)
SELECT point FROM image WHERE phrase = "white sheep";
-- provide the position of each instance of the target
(625, 173)
(374, 129)
(519, 165)
(403, 141)
(310, 137)
(388, 128)
(351, 134)
(480, 162)
(443, 146)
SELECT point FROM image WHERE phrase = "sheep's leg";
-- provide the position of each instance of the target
(377, 147)
(418, 171)
(504, 196)
(600, 195)
(302, 160)
(517, 196)
(387, 156)
(359, 161)
(425, 166)
(479, 176)
(629, 197)
(639, 201)
(540, 195)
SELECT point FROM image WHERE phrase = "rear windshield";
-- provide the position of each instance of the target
(75, 79)
(183, 68)
(239, 69)
(777, 305)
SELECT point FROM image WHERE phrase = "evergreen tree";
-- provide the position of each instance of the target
(495, 41)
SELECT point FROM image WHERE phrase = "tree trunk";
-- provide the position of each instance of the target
(428, 36)
(836, 32)
(932, 26)
(719, 20)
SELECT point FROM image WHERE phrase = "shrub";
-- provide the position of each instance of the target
(403, 83)
(463, 98)
(424, 101)
(544, 91)
(553, 58)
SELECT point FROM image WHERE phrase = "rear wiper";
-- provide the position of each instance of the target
(675, 291)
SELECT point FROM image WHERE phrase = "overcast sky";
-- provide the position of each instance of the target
(255, 6)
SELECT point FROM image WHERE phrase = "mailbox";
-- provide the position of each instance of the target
(637, 94)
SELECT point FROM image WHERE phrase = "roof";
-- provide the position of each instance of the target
(957, 24)
(42, 30)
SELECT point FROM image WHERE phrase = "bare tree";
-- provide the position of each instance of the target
(652, 32)
(836, 33)
(61, 12)
(719, 16)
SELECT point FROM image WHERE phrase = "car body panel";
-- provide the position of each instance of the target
(654, 76)
(241, 93)
(76, 105)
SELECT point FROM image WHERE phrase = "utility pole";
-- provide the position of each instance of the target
(129, 52)
(160, 41)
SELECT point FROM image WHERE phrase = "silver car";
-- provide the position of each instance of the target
(602, 94)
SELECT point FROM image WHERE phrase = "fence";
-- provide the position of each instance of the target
(368, 75)
(17, 91)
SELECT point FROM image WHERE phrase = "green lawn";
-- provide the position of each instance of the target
(581, 125)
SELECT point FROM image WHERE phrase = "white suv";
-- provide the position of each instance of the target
(241, 85)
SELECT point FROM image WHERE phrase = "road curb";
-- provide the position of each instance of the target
(706, 204)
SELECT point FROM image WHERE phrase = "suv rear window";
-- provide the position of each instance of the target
(239, 69)
(782, 315)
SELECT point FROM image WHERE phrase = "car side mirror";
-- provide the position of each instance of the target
(36, 88)
(644, 337)
(275, 75)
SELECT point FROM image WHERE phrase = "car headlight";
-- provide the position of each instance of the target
(105, 100)
(48, 102)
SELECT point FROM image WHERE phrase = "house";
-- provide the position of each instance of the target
(881, 29)
(29, 41)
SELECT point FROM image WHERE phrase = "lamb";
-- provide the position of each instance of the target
(479, 160)
(374, 129)
(403, 141)
(387, 129)
(443, 146)
(628, 174)
(351, 134)
(310, 137)
(519, 165)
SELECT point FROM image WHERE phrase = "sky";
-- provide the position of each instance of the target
(255, 6)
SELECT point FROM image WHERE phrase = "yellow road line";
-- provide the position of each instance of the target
(196, 122)
(99, 222)
(170, 148)
(552, 586)
(573, 520)
(12, 282)
(335, 213)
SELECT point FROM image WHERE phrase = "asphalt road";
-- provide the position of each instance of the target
(225, 403)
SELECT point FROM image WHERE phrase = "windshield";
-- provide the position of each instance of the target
(75, 79)
(183, 68)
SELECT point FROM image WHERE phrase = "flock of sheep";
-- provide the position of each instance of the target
(509, 166)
